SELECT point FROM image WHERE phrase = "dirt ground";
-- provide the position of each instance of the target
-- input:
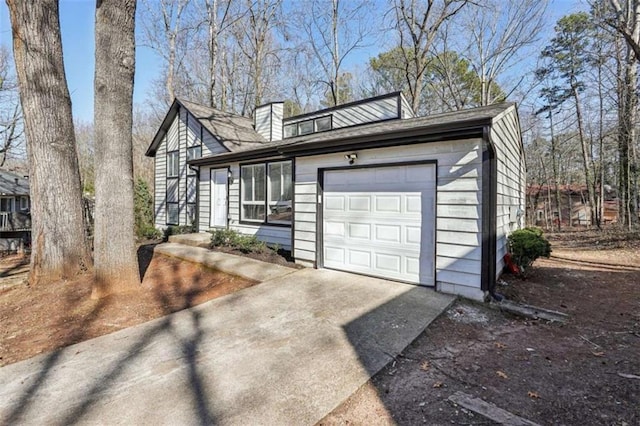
(40, 319)
(581, 372)
(584, 372)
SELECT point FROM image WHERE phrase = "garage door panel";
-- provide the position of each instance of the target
(360, 231)
(334, 255)
(388, 203)
(334, 203)
(360, 258)
(389, 233)
(359, 203)
(389, 262)
(334, 229)
(388, 221)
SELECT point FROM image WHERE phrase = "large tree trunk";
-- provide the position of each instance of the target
(116, 264)
(60, 249)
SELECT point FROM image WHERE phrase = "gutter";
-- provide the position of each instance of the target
(489, 211)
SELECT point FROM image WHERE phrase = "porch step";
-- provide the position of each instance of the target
(198, 239)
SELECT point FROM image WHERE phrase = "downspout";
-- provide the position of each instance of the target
(489, 214)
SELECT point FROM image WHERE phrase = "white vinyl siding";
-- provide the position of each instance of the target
(458, 208)
(360, 113)
(511, 180)
(184, 137)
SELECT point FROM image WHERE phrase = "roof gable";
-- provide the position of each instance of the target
(233, 132)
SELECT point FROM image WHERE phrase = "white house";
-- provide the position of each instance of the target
(364, 187)
(15, 216)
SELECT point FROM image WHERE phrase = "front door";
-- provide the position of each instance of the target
(218, 198)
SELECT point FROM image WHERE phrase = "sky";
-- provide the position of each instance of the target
(77, 25)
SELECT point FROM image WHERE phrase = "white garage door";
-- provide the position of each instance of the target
(381, 222)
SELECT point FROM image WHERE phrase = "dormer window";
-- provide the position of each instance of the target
(305, 127)
(314, 125)
(291, 130)
(323, 123)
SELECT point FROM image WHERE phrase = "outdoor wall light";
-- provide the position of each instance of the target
(230, 176)
(351, 158)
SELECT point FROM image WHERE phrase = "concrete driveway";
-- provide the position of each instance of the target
(286, 351)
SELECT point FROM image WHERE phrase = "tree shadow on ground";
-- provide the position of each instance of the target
(145, 255)
(25, 401)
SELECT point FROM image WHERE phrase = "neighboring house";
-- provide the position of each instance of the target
(574, 207)
(364, 187)
(15, 219)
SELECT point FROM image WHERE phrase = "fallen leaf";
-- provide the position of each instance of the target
(533, 395)
(502, 374)
(500, 345)
(425, 366)
(628, 376)
(598, 353)
(437, 384)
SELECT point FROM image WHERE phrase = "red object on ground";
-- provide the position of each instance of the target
(513, 268)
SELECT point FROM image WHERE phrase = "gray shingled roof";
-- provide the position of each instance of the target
(234, 131)
(387, 130)
(447, 119)
(13, 184)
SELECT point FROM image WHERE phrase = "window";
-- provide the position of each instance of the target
(173, 214)
(253, 191)
(323, 123)
(24, 203)
(194, 152)
(290, 130)
(305, 127)
(280, 190)
(7, 204)
(267, 192)
(173, 164)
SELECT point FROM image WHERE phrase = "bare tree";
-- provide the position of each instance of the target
(116, 262)
(60, 249)
(257, 43)
(417, 24)
(624, 18)
(11, 130)
(500, 34)
(165, 32)
(332, 32)
(86, 154)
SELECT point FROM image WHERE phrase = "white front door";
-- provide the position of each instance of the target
(380, 221)
(218, 198)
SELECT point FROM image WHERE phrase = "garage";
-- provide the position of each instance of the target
(380, 221)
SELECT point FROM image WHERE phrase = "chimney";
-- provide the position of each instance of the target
(267, 120)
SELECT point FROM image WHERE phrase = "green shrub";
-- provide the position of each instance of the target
(235, 240)
(143, 210)
(149, 232)
(526, 245)
(177, 230)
